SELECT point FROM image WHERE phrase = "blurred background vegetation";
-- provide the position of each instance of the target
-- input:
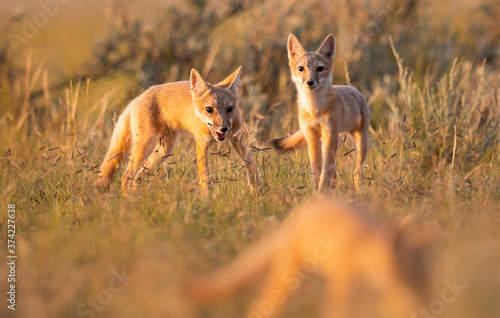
(430, 71)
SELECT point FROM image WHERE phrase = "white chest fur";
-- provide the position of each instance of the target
(312, 101)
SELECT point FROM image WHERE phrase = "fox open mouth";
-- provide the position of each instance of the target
(219, 136)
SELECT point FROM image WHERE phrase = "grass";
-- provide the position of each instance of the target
(434, 151)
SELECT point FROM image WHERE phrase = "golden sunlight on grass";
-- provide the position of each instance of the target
(431, 75)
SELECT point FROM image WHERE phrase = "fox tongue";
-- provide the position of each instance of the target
(220, 136)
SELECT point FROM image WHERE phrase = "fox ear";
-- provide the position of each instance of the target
(232, 82)
(327, 49)
(198, 85)
(294, 47)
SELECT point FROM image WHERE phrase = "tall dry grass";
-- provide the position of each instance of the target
(434, 96)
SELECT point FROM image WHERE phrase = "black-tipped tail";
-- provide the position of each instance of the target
(290, 143)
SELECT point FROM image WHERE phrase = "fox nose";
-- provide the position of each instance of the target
(224, 129)
(310, 83)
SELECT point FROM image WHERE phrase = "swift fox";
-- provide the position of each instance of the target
(325, 111)
(333, 241)
(148, 128)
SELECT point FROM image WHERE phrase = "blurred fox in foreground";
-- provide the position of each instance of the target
(340, 245)
(325, 111)
(148, 128)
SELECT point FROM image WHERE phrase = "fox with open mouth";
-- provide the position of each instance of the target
(147, 129)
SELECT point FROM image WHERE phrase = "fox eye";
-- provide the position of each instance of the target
(320, 69)
(230, 109)
(301, 68)
(209, 109)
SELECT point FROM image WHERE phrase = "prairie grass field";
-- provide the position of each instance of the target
(430, 72)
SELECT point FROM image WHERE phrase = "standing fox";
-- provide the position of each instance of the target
(325, 111)
(337, 243)
(148, 128)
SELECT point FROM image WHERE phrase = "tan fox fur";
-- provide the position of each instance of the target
(325, 111)
(336, 242)
(148, 128)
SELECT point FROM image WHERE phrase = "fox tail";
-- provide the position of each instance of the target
(116, 150)
(290, 143)
(241, 272)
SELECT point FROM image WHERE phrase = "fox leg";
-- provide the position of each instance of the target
(202, 160)
(314, 150)
(328, 171)
(361, 146)
(164, 147)
(141, 149)
(239, 146)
